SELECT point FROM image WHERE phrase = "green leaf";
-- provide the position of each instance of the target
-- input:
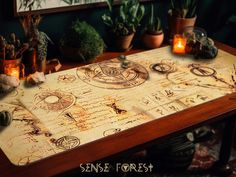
(140, 13)
(172, 4)
(151, 19)
(122, 13)
(107, 20)
(110, 3)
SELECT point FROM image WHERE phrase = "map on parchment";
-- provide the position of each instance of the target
(81, 105)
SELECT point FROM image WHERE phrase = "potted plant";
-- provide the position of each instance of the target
(81, 42)
(153, 35)
(182, 14)
(35, 60)
(11, 51)
(124, 22)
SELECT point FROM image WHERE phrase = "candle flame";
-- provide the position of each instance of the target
(179, 44)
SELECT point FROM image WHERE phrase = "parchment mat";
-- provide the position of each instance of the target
(81, 105)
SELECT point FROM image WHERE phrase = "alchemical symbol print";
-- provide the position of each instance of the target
(111, 75)
(67, 142)
(54, 100)
(27, 160)
(202, 71)
(66, 79)
(162, 68)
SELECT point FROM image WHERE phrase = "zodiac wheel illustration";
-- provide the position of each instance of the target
(54, 100)
(111, 75)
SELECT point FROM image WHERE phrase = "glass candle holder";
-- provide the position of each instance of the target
(12, 69)
(179, 44)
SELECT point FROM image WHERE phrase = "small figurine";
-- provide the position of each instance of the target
(5, 118)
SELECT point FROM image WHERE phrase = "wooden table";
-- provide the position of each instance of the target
(222, 109)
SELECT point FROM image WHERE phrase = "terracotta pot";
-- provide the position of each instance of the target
(123, 43)
(177, 25)
(32, 64)
(152, 41)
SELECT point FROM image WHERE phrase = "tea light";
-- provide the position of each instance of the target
(179, 44)
(12, 70)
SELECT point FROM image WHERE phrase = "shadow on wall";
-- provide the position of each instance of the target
(219, 19)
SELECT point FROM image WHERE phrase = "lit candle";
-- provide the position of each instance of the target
(179, 44)
(12, 70)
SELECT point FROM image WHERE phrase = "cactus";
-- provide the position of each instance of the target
(127, 19)
(154, 23)
(183, 8)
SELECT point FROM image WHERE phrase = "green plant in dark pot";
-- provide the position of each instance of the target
(153, 35)
(36, 55)
(123, 22)
(81, 42)
(182, 14)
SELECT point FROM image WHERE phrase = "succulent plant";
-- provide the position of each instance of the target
(11, 48)
(183, 8)
(36, 39)
(126, 19)
(84, 39)
(154, 23)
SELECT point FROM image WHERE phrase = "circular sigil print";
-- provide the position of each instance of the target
(202, 71)
(54, 100)
(66, 79)
(111, 75)
(162, 68)
(67, 142)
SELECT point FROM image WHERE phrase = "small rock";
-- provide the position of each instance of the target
(5, 118)
(36, 78)
(8, 83)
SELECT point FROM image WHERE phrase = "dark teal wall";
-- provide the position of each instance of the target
(219, 19)
(213, 16)
(53, 24)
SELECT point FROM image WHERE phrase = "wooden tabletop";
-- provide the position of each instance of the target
(205, 113)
